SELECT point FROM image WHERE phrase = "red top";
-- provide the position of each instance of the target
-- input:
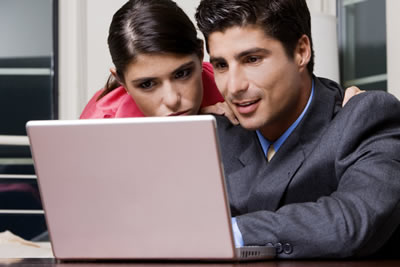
(119, 104)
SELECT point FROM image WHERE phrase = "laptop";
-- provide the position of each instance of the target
(135, 189)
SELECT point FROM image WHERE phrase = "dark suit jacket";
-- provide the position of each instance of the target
(333, 188)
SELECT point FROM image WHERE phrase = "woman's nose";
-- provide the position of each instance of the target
(172, 97)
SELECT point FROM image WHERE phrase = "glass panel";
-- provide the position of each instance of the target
(28, 26)
(26, 64)
(27, 92)
(10, 151)
(362, 30)
(24, 98)
(24, 225)
(381, 86)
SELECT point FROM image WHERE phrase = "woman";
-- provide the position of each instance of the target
(158, 66)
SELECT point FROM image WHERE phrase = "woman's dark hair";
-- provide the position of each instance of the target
(283, 20)
(149, 27)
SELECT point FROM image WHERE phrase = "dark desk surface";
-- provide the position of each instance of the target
(53, 262)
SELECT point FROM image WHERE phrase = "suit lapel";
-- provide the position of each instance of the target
(327, 101)
(273, 179)
(244, 175)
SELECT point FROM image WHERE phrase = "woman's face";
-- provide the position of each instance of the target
(165, 84)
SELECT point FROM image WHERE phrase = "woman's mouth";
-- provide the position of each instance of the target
(181, 113)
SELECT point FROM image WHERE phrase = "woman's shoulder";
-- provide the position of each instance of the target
(116, 104)
(208, 68)
(211, 94)
(90, 111)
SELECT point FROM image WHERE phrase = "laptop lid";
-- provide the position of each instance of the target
(135, 188)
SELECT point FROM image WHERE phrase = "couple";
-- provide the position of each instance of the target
(303, 174)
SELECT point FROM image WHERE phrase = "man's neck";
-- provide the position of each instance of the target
(274, 130)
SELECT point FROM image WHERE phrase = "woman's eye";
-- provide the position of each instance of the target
(183, 73)
(146, 85)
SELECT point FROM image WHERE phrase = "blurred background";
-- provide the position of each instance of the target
(54, 56)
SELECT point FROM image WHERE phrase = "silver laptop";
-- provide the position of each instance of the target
(135, 188)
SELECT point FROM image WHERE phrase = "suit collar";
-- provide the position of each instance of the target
(326, 103)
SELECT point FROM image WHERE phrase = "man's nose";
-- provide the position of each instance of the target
(237, 81)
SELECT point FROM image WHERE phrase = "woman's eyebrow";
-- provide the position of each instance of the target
(141, 80)
(184, 66)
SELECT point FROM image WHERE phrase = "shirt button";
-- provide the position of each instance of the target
(287, 248)
(278, 247)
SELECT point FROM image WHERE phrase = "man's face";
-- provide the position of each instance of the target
(260, 83)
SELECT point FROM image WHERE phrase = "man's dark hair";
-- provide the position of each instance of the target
(283, 20)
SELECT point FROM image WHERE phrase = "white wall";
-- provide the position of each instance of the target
(325, 38)
(98, 21)
(393, 45)
(327, 7)
(84, 58)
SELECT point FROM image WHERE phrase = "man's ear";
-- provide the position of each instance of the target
(303, 52)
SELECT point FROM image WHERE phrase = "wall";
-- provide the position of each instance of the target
(393, 45)
(84, 59)
(327, 7)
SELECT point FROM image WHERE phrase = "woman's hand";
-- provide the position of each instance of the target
(350, 92)
(221, 108)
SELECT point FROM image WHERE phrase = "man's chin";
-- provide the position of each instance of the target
(249, 124)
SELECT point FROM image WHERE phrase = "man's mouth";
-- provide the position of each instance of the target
(247, 103)
(247, 107)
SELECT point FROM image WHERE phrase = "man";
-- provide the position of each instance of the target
(311, 178)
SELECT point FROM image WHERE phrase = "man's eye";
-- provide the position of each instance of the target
(146, 85)
(252, 59)
(183, 73)
(220, 65)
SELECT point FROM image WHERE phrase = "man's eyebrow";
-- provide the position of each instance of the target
(252, 51)
(216, 59)
(242, 54)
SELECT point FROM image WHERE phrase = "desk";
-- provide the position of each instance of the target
(52, 262)
(26, 253)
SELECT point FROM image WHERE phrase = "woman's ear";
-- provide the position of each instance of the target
(114, 73)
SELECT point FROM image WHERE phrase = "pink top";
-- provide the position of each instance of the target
(119, 104)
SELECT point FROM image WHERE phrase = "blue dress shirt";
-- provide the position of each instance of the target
(265, 145)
